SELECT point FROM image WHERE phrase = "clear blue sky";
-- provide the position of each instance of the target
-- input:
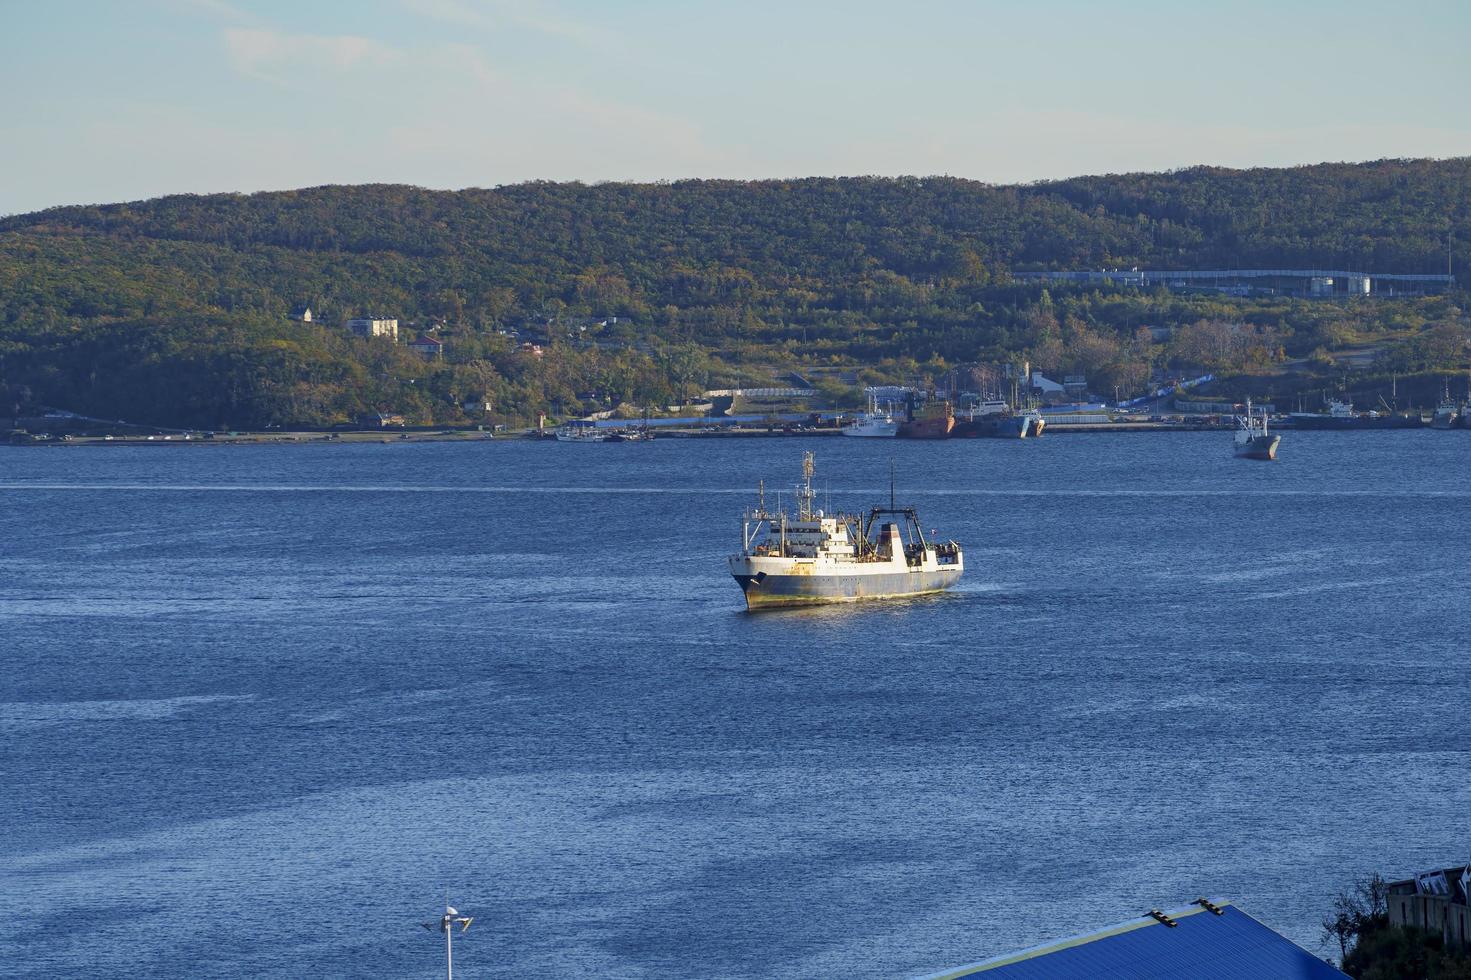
(109, 101)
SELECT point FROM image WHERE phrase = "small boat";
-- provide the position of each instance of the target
(639, 433)
(582, 430)
(1253, 441)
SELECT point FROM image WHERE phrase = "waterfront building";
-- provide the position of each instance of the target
(1435, 901)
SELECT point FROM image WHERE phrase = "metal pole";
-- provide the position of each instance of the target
(449, 947)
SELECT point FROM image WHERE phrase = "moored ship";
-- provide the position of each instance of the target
(934, 421)
(876, 423)
(991, 419)
(814, 558)
(1447, 413)
(1341, 415)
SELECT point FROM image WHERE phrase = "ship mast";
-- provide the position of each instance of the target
(805, 493)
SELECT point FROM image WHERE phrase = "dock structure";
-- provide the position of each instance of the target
(1315, 283)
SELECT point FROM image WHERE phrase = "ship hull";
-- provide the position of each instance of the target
(927, 428)
(1259, 447)
(994, 427)
(871, 430)
(768, 591)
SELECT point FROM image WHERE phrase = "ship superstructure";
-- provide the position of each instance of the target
(814, 558)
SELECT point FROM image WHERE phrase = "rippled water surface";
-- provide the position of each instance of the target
(263, 706)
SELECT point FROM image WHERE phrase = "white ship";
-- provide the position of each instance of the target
(814, 558)
(875, 423)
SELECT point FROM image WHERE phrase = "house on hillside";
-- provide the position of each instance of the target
(374, 326)
(301, 313)
(479, 405)
(429, 347)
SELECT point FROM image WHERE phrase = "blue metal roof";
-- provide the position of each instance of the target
(1201, 944)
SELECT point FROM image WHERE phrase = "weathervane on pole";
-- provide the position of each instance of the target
(446, 924)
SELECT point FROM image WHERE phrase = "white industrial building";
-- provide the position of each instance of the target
(367, 326)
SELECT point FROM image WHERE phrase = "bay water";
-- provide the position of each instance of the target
(263, 708)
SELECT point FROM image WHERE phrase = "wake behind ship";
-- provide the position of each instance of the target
(814, 558)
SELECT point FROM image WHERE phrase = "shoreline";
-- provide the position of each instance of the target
(393, 437)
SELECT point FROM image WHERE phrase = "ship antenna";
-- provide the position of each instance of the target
(761, 495)
(805, 493)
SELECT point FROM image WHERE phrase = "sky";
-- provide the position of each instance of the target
(117, 100)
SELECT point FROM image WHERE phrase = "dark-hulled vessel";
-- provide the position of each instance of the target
(1253, 441)
(813, 558)
(991, 419)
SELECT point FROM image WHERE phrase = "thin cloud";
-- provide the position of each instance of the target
(217, 9)
(254, 51)
(494, 16)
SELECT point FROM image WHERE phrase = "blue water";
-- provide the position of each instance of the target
(263, 706)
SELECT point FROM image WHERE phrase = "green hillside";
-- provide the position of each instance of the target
(174, 311)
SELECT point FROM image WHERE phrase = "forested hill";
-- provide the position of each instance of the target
(1389, 216)
(195, 288)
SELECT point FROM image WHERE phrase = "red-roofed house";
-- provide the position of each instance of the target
(431, 347)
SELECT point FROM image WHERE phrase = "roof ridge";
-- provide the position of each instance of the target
(1078, 939)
